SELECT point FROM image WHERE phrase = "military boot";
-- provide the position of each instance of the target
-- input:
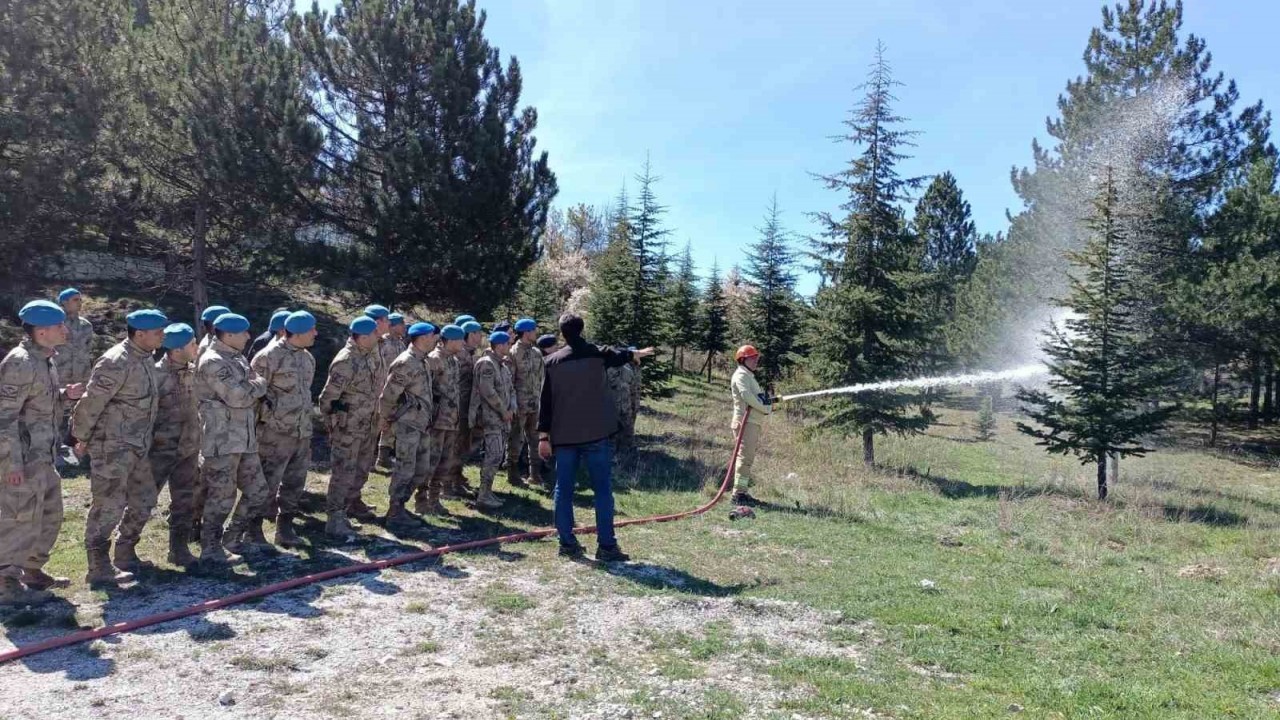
(338, 529)
(253, 539)
(422, 503)
(126, 557)
(102, 572)
(485, 497)
(285, 536)
(433, 506)
(515, 481)
(38, 579)
(462, 489)
(386, 457)
(214, 556)
(13, 592)
(400, 518)
(360, 511)
(179, 553)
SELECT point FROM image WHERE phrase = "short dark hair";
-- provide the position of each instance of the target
(30, 330)
(220, 333)
(288, 334)
(571, 326)
(129, 332)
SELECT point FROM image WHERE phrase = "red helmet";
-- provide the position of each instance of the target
(746, 351)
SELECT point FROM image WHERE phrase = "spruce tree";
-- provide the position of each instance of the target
(1103, 371)
(609, 306)
(986, 424)
(946, 234)
(538, 297)
(715, 320)
(866, 324)
(648, 237)
(432, 163)
(682, 307)
(772, 320)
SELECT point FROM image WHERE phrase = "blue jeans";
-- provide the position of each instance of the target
(598, 457)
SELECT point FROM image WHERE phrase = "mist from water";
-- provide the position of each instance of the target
(1024, 372)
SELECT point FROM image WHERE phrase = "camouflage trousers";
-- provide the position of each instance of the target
(124, 494)
(30, 519)
(182, 475)
(746, 457)
(286, 458)
(353, 450)
(450, 468)
(495, 451)
(221, 475)
(626, 437)
(442, 443)
(524, 429)
(416, 458)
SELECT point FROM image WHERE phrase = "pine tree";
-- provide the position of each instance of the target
(649, 247)
(683, 307)
(715, 320)
(772, 318)
(609, 306)
(1103, 371)
(538, 297)
(986, 424)
(432, 163)
(866, 325)
(945, 231)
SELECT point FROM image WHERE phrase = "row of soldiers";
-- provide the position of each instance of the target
(231, 435)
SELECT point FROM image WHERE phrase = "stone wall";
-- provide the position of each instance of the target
(95, 265)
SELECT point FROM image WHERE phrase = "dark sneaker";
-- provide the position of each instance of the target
(744, 498)
(611, 554)
(572, 551)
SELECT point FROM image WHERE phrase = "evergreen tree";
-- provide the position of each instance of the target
(715, 320)
(866, 325)
(986, 424)
(609, 306)
(1103, 371)
(648, 323)
(538, 297)
(945, 231)
(772, 318)
(683, 307)
(432, 164)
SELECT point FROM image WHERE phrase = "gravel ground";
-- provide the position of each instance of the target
(474, 637)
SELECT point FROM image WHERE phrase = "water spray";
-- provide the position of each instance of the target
(1023, 372)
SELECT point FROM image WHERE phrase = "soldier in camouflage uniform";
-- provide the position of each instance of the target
(114, 422)
(493, 405)
(349, 402)
(175, 445)
(31, 399)
(407, 411)
(622, 387)
(284, 425)
(227, 395)
(443, 365)
(527, 369)
(75, 358)
(466, 356)
(211, 313)
(391, 344)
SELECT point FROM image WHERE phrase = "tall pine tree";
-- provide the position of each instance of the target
(1103, 371)
(609, 306)
(866, 324)
(682, 308)
(714, 335)
(648, 237)
(772, 319)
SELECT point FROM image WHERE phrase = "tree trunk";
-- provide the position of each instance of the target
(1102, 478)
(199, 288)
(1269, 390)
(1213, 424)
(869, 447)
(710, 356)
(1255, 389)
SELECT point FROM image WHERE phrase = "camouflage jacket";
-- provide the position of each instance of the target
(444, 389)
(389, 348)
(121, 400)
(227, 395)
(75, 359)
(352, 386)
(288, 371)
(407, 396)
(466, 372)
(30, 407)
(622, 384)
(177, 424)
(492, 394)
(527, 370)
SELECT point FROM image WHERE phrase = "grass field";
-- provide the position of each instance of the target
(968, 579)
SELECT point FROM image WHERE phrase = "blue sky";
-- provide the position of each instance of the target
(734, 101)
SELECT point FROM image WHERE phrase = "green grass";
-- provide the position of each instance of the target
(503, 600)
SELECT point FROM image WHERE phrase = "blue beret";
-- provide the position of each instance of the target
(377, 312)
(422, 328)
(68, 294)
(524, 325)
(546, 341)
(177, 335)
(276, 323)
(41, 313)
(463, 320)
(452, 332)
(499, 338)
(471, 327)
(150, 319)
(212, 312)
(231, 323)
(300, 322)
(363, 325)
(396, 318)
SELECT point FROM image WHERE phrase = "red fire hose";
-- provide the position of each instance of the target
(273, 588)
